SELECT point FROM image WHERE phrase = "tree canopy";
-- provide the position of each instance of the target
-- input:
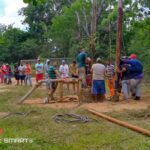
(59, 28)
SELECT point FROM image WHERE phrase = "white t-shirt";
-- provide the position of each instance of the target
(64, 70)
(39, 68)
(21, 70)
(98, 71)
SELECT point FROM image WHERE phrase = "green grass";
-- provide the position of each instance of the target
(48, 135)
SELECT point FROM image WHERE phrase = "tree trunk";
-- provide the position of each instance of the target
(118, 46)
(119, 33)
(93, 27)
(78, 25)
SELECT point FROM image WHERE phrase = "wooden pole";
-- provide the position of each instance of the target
(29, 93)
(121, 123)
(61, 81)
(119, 33)
(118, 45)
(61, 90)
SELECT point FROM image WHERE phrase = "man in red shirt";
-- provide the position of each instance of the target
(2, 72)
(28, 73)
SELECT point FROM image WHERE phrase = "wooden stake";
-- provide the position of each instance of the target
(29, 93)
(121, 123)
(61, 90)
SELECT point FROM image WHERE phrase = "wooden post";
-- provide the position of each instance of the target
(79, 90)
(29, 93)
(119, 33)
(74, 86)
(118, 45)
(121, 123)
(61, 89)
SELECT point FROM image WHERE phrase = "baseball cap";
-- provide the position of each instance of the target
(98, 59)
(133, 56)
(63, 61)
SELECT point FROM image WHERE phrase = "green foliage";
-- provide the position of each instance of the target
(16, 45)
(59, 28)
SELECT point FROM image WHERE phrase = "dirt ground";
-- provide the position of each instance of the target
(106, 106)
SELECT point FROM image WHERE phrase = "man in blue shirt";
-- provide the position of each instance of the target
(136, 76)
(81, 62)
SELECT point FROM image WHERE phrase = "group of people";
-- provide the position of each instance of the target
(91, 73)
(129, 76)
(22, 74)
(5, 74)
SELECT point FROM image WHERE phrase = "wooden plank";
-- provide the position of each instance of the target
(121, 123)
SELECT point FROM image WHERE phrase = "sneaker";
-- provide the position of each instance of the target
(137, 98)
(46, 100)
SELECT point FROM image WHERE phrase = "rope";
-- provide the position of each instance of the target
(19, 114)
(71, 118)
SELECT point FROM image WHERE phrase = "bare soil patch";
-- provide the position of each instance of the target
(106, 106)
(3, 114)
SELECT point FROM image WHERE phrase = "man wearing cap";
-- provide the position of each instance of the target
(136, 76)
(46, 66)
(39, 70)
(64, 70)
(98, 84)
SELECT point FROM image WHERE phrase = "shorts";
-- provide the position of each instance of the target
(22, 77)
(89, 79)
(6, 76)
(51, 85)
(16, 76)
(98, 87)
(39, 77)
(74, 76)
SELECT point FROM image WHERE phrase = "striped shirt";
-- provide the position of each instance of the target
(51, 72)
(110, 71)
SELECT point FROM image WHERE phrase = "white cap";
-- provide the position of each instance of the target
(63, 61)
(98, 59)
(47, 60)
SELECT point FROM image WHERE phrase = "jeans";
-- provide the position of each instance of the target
(28, 78)
(46, 75)
(136, 86)
(125, 88)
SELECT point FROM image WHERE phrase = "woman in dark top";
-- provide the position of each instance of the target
(16, 73)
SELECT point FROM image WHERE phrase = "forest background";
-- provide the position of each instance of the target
(58, 28)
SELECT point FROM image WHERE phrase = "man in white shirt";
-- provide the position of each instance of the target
(22, 75)
(39, 70)
(98, 83)
(64, 70)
